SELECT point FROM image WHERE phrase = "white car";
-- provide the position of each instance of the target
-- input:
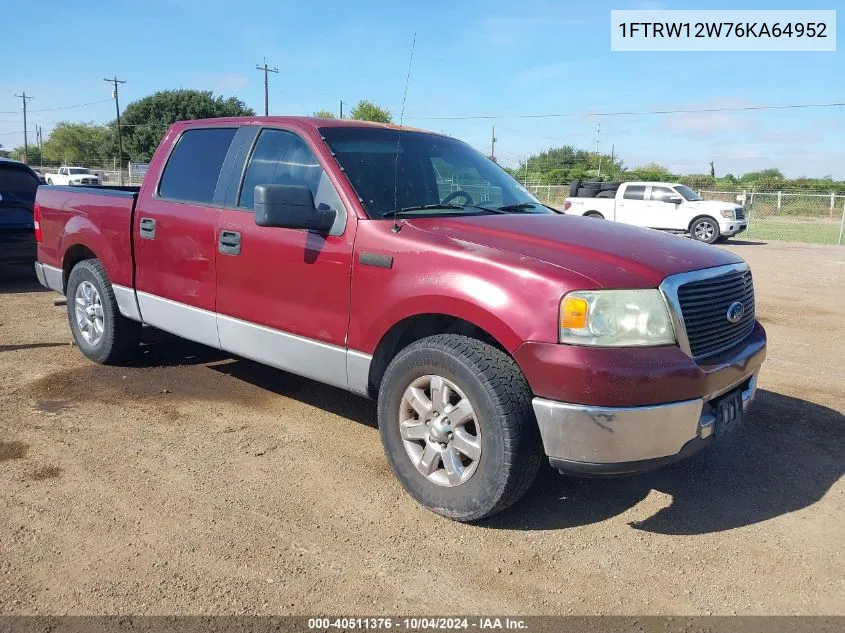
(658, 205)
(73, 176)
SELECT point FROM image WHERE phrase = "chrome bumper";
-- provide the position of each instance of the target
(585, 435)
(49, 277)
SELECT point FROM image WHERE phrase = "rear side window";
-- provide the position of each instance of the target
(634, 192)
(17, 184)
(194, 166)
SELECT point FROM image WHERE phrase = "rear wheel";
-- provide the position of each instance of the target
(100, 331)
(705, 230)
(457, 425)
(594, 214)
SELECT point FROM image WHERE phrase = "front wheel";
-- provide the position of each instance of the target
(705, 230)
(100, 331)
(457, 425)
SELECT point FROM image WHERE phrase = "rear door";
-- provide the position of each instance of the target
(175, 232)
(631, 206)
(283, 294)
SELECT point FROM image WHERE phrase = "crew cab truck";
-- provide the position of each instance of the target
(658, 205)
(490, 329)
(73, 176)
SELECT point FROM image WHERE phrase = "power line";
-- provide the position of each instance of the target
(78, 105)
(791, 106)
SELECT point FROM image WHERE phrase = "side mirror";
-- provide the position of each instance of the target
(675, 200)
(291, 207)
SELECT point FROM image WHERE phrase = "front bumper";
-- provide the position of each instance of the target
(591, 440)
(732, 227)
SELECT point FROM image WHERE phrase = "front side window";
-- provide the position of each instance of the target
(634, 192)
(418, 173)
(662, 194)
(283, 158)
(194, 165)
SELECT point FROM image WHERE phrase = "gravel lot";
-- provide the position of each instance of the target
(194, 483)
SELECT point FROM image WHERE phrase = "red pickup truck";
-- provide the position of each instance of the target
(405, 266)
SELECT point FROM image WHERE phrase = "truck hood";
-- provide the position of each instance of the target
(712, 205)
(611, 255)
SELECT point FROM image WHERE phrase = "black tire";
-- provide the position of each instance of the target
(587, 193)
(610, 186)
(699, 230)
(573, 188)
(49, 181)
(594, 214)
(607, 193)
(511, 449)
(120, 336)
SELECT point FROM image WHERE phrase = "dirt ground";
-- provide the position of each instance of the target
(193, 483)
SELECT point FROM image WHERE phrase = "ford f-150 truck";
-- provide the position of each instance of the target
(405, 266)
(658, 205)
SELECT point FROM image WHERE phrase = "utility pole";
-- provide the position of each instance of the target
(40, 152)
(24, 98)
(598, 156)
(341, 108)
(114, 80)
(267, 85)
(493, 146)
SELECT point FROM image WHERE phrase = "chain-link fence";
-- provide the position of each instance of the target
(792, 216)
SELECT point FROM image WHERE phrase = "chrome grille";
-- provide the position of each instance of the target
(704, 307)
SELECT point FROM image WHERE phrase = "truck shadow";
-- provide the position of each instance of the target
(785, 458)
(19, 278)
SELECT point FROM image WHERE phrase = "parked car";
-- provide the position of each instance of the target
(657, 205)
(18, 184)
(73, 176)
(39, 173)
(490, 329)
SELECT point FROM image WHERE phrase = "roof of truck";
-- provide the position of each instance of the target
(312, 121)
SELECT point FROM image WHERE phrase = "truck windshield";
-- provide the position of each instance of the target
(421, 174)
(687, 193)
(79, 170)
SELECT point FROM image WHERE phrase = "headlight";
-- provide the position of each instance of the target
(615, 318)
(728, 213)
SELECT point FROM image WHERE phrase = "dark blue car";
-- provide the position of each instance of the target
(18, 184)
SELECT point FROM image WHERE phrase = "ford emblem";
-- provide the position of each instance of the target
(735, 312)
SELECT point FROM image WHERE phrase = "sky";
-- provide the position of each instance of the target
(471, 58)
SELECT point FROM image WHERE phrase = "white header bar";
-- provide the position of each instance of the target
(728, 30)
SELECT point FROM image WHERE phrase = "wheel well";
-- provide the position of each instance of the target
(699, 217)
(73, 256)
(413, 329)
(593, 214)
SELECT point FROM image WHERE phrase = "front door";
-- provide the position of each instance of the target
(283, 294)
(662, 213)
(175, 237)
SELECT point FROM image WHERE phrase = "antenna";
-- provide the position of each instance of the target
(396, 227)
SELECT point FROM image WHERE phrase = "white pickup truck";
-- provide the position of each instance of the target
(73, 176)
(658, 205)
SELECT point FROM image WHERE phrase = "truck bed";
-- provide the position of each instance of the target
(97, 218)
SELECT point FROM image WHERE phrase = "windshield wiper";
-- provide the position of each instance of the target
(517, 207)
(460, 207)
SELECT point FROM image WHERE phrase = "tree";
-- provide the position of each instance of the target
(145, 121)
(78, 143)
(33, 154)
(368, 111)
(323, 114)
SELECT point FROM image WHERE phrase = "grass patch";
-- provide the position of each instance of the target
(792, 231)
